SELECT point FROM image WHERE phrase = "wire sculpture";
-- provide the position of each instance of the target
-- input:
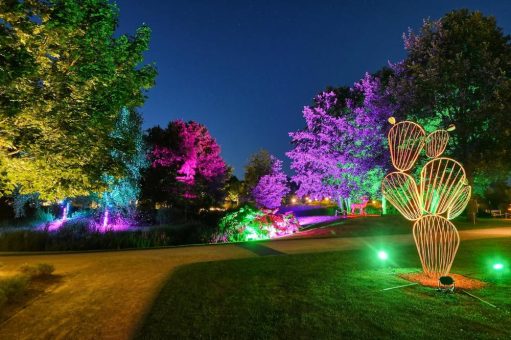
(406, 140)
(360, 206)
(442, 180)
(442, 194)
(459, 203)
(436, 142)
(401, 191)
(437, 241)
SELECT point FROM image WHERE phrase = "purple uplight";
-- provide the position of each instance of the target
(115, 223)
(55, 225)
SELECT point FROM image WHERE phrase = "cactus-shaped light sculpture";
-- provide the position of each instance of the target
(441, 195)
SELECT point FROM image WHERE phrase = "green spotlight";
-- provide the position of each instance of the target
(498, 266)
(383, 255)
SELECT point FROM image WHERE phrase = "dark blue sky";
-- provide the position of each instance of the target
(245, 69)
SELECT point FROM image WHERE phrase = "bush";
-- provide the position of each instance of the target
(83, 232)
(37, 270)
(370, 210)
(36, 218)
(79, 236)
(249, 223)
(12, 287)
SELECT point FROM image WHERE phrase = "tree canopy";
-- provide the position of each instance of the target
(272, 187)
(340, 153)
(186, 166)
(259, 165)
(64, 80)
(458, 71)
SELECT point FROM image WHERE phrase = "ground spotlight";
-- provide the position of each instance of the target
(382, 255)
(498, 266)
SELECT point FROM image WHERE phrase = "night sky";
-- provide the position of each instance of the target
(245, 69)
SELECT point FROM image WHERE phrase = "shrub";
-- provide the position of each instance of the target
(12, 287)
(249, 223)
(37, 270)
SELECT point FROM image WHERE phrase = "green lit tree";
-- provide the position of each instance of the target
(458, 71)
(64, 78)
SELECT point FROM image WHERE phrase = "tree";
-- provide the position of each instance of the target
(64, 79)
(186, 166)
(340, 153)
(122, 193)
(271, 188)
(458, 71)
(234, 189)
(259, 165)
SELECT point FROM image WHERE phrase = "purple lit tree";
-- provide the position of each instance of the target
(271, 188)
(186, 165)
(340, 153)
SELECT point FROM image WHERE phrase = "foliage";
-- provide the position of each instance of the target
(122, 193)
(259, 165)
(340, 152)
(37, 270)
(65, 77)
(187, 168)
(35, 218)
(83, 235)
(12, 287)
(271, 188)
(19, 202)
(458, 70)
(234, 190)
(249, 223)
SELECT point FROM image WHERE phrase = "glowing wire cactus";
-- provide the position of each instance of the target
(442, 194)
(436, 142)
(437, 242)
(406, 140)
(442, 180)
(401, 191)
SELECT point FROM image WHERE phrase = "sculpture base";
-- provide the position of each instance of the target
(462, 282)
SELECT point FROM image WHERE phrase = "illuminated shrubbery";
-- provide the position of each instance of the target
(249, 223)
(272, 187)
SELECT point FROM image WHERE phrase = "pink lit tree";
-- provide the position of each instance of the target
(271, 188)
(186, 165)
(340, 152)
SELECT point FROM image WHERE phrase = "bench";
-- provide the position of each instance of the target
(498, 213)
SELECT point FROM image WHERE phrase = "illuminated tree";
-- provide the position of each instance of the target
(340, 153)
(65, 78)
(271, 188)
(458, 70)
(234, 190)
(259, 165)
(186, 165)
(122, 193)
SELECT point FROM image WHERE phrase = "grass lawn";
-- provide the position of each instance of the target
(386, 225)
(332, 295)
